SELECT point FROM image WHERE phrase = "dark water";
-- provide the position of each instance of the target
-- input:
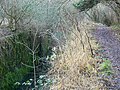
(111, 45)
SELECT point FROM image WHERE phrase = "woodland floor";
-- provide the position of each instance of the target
(110, 43)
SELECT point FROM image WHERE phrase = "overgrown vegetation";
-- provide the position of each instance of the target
(17, 58)
(105, 67)
(76, 67)
(45, 47)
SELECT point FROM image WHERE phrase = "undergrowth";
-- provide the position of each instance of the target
(75, 68)
(12, 56)
(106, 67)
(16, 59)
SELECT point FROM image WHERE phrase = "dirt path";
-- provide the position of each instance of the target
(111, 45)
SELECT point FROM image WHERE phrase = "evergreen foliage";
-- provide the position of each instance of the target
(86, 4)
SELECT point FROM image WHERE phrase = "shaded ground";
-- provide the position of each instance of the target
(111, 46)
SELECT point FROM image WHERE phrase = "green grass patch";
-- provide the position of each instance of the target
(106, 67)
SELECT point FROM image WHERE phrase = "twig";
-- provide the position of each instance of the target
(26, 65)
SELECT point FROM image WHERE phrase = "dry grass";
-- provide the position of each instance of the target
(75, 69)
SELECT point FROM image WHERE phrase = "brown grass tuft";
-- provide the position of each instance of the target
(75, 69)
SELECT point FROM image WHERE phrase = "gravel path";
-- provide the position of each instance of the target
(111, 45)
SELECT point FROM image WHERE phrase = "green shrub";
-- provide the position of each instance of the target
(16, 56)
(12, 77)
(85, 4)
(11, 59)
(106, 67)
